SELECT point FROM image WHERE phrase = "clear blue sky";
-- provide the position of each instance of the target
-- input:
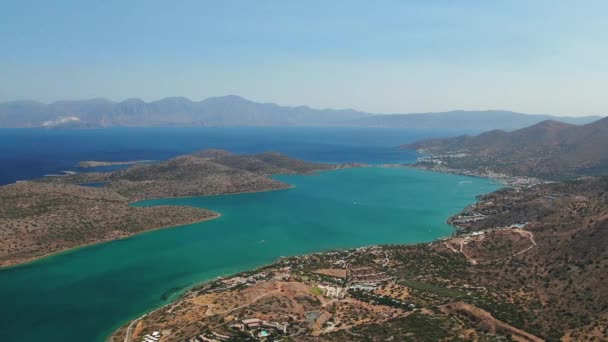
(379, 56)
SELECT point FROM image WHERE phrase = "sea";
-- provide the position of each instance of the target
(86, 293)
(32, 153)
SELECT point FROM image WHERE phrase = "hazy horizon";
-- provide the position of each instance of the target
(301, 105)
(401, 57)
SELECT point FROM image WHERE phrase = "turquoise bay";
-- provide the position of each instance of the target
(82, 295)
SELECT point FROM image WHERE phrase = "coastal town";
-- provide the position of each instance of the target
(329, 294)
(298, 296)
(442, 162)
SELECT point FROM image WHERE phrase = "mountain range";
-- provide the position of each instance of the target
(548, 150)
(462, 120)
(233, 110)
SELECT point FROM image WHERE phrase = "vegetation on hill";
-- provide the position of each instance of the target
(560, 279)
(548, 150)
(37, 219)
(203, 173)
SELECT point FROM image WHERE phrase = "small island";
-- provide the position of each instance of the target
(94, 163)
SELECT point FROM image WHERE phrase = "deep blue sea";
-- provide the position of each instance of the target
(32, 153)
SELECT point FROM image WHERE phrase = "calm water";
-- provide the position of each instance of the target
(82, 295)
(30, 153)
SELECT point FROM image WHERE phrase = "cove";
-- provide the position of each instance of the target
(82, 295)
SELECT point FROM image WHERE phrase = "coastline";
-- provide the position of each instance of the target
(289, 186)
(95, 163)
(71, 249)
(504, 179)
(186, 290)
(183, 292)
(41, 257)
(175, 296)
(286, 187)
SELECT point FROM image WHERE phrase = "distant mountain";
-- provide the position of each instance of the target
(483, 120)
(236, 111)
(217, 111)
(549, 149)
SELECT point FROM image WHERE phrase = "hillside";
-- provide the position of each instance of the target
(548, 150)
(38, 219)
(203, 173)
(558, 259)
(237, 111)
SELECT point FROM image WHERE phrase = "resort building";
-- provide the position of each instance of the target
(332, 291)
(154, 337)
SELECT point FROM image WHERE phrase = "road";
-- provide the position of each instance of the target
(530, 236)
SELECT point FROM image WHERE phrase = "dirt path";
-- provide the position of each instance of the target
(528, 234)
(387, 261)
(461, 242)
(254, 300)
(488, 321)
(130, 330)
(450, 247)
(469, 258)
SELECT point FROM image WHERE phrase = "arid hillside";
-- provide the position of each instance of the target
(548, 150)
(37, 219)
(553, 259)
(203, 173)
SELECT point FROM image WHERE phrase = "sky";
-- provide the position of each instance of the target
(377, 56)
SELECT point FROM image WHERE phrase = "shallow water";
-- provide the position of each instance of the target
(84, 294)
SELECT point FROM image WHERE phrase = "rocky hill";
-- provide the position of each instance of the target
(203, 173)
(549, 150)
(554, 255)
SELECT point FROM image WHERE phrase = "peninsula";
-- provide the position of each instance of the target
(53, 214)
